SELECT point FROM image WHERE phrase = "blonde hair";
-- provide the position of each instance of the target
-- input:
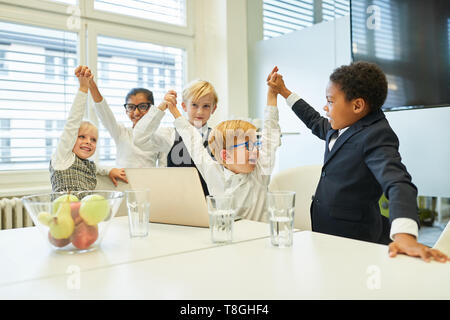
(228, 133)
(88, 124)
(198, 89)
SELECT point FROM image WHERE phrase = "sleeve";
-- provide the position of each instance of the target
(211, 170)
(102, 170)
(63, 157)
(318, 125)
(270, 140)
(292, 99)
(108, 120)
(404, 225)
(383, 159)
(162, 159)
(147, 137)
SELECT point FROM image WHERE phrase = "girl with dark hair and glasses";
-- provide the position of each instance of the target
(138, 102)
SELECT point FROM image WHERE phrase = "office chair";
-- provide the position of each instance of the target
(303, 180)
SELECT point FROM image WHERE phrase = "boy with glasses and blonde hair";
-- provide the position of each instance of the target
(243, 164)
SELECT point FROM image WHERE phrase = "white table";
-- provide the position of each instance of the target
(317, 266)
(24, 255)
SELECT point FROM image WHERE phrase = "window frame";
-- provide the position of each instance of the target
(186, 29)
(48, 14)
(101, 29)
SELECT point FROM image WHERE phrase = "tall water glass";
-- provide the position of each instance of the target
(221, 218)
(138, 203)
(281, 207)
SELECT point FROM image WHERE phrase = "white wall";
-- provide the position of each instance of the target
(424, 136)
(305, 59)
(220, 51)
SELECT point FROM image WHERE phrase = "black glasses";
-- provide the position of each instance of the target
(129, 107)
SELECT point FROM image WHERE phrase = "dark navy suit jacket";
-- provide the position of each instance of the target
(363, 163)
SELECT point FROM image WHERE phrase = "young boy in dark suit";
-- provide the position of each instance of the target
(361, 162)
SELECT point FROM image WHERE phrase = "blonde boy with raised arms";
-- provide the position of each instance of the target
(199, 102)
(243, 164)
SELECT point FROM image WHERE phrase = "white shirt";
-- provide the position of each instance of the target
(399, 225)
(148, 135)
(128, 154)
(249, 190)
(63, 157)
(334, 138)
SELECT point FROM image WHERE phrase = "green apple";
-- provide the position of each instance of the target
(94, 209)
(67, 197)
(62, 225)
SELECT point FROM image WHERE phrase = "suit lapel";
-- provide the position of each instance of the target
(330, 133)
(340, 141)
(356, 127)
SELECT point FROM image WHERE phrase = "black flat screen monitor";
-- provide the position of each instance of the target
(410, 41)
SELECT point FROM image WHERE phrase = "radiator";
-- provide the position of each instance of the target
(13, 214)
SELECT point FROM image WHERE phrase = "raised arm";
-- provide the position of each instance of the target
(271, 133)
(145, 133)
(211, 170)
(104, 112)
(63, 156)
(318, 125)
(95, 93)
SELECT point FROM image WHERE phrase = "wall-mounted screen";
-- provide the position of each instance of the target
(410, 41)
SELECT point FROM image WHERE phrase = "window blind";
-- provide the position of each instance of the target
(126, 64)
(71, 2)
(37, 88)
(169, 11)
(332, 9)
(284, 16)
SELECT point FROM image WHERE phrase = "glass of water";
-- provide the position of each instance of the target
(221, 218)
(281, 207)
(138, 203)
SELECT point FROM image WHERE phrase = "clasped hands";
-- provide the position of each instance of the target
(84, 75)
(276, 83)
(170, 102)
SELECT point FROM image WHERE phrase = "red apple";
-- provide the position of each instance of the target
(84, 235)
(58, 242)
(74, 210)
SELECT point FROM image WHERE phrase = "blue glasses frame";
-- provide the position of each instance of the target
(256, 145)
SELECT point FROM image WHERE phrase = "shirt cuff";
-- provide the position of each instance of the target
(102, 103)
(156, 112)
(103, 170)
(181, 122)
(404, 225)
(292, 99)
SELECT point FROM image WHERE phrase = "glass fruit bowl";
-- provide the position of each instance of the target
(73, 222)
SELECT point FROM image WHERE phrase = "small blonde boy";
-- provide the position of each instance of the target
(199, 102)
(243, 163)
(70, 169)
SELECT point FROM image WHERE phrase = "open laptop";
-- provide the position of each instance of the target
(176, 194)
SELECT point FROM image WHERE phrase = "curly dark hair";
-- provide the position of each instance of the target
(135, 91)
(362, 80)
